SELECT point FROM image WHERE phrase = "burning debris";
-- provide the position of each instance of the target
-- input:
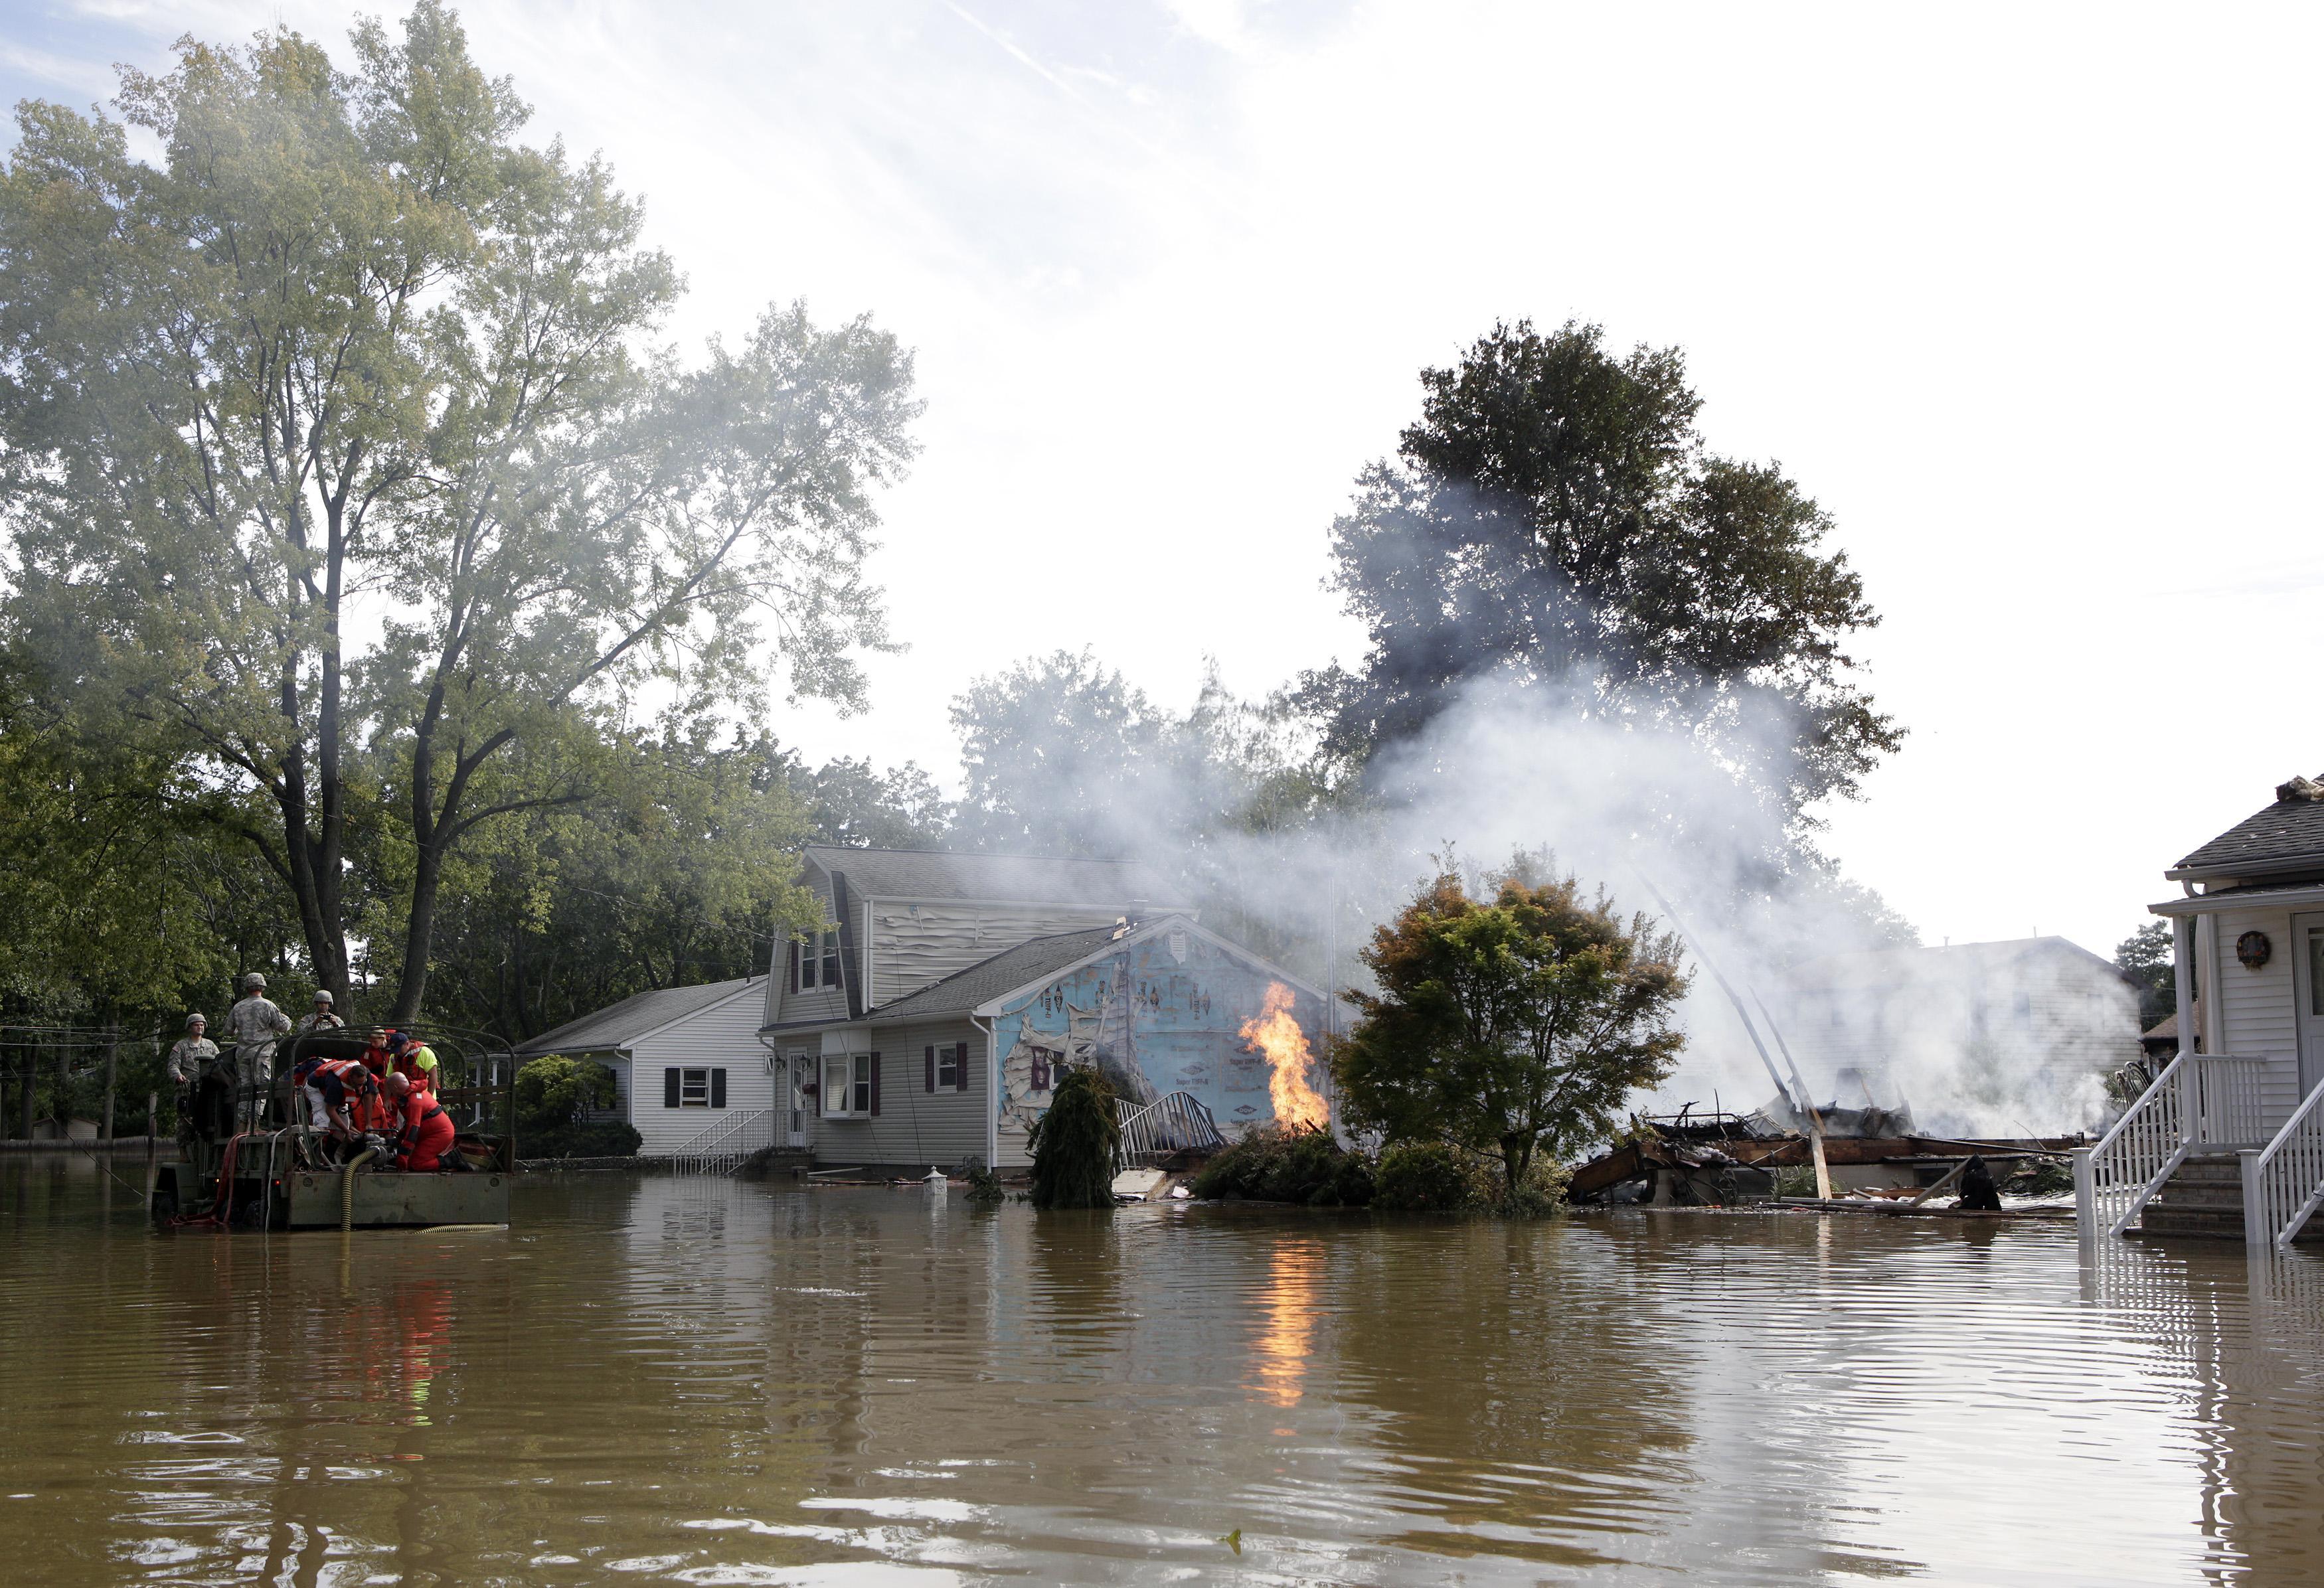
(1274, 1033)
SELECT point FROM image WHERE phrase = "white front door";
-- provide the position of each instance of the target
(801, 1069)
(2307, 978)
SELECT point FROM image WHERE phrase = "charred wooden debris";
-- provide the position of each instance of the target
(1713, 1159)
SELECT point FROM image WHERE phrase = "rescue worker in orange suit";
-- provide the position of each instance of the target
(424, 1137)
(338, 1093)
(414, 1060)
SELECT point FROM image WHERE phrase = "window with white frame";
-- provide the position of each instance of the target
(819, 960)
(848, 1092)
(694, 1089)
(948, 1058)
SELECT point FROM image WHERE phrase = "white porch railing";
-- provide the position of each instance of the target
(2284, 1181)
(722, 1148)
(1176, 1122)
(2200, 1101)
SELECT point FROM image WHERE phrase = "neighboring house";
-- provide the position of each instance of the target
(2161, 1039)
(2248, 940)
(685, 1059)
(1965, 1035)
(2229, 1139)
(927, 1018)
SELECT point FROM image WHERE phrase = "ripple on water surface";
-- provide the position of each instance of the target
(707, 1382)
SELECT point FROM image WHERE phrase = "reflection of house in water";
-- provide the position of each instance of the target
(933, 1019)
(1965, 1035)
(2235, 1346)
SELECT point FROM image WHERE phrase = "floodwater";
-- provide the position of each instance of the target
(697, 1381)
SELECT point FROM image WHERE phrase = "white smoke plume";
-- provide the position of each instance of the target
(1978, 1042)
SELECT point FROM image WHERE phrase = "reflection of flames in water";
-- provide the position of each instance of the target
(1283, 1343)
(1274, 1033)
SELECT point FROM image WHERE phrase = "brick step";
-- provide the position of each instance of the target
(2223, 1223)
(2179, 1195)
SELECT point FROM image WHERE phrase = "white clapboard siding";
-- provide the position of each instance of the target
(915, 1127)
(726, 1035)
(914, 944)
(786, 1007)
(2258, 1013)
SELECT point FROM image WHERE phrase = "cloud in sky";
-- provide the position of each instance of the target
(2018, 293)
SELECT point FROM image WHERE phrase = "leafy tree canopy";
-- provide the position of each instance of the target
(351, 359)
(2146, 960)
(1554, 520)
(1515, 1023)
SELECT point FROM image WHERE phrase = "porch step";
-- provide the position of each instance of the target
(2204, 1199)
(790, 1160)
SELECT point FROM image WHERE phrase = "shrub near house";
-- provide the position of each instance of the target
(554, 1097)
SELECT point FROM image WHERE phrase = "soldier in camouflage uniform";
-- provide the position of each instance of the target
(324, 1018)
(253, 1027)
(205, 1091)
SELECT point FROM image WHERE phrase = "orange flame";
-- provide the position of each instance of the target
(1273, 1032)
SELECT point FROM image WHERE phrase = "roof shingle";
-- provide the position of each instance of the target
(1031, 879)
(618, 1024)
(987, 980)
(2287, 834)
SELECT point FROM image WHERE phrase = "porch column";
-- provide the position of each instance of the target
(2182, 975)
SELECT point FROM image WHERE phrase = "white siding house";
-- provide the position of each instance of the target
(919, 1021)
(686, 1060)
(2228, 1139)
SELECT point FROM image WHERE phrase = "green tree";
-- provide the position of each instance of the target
(1555, 522)
(1513, 1025)
(668, 873)
(1073, 1144)
(2146, 960)
(853, 805)
(350, 340)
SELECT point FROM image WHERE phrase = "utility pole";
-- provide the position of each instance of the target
(112, 1055)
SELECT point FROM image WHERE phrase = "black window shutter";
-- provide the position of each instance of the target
(928, 1067)
(718, 1089)
(670, 1089)
(875, 1083)
(793, 972)
(960, 1067)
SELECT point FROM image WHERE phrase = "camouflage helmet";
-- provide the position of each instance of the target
(253, 983)
(322, 995)
(194, 1020)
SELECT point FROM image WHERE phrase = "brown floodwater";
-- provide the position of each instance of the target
(712, 1382)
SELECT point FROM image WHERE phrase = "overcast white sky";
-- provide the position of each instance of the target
(2025, 294)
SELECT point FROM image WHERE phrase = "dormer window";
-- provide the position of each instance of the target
(817, 961)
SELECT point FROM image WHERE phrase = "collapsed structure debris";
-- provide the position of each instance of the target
(1718, 1159)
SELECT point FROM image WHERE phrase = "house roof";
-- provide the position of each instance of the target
(1888, 966)
(619, 1025)
(1030, 880)
(1029, 962)
(2278, 895)
(2165, 1029)
(2288, 834)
